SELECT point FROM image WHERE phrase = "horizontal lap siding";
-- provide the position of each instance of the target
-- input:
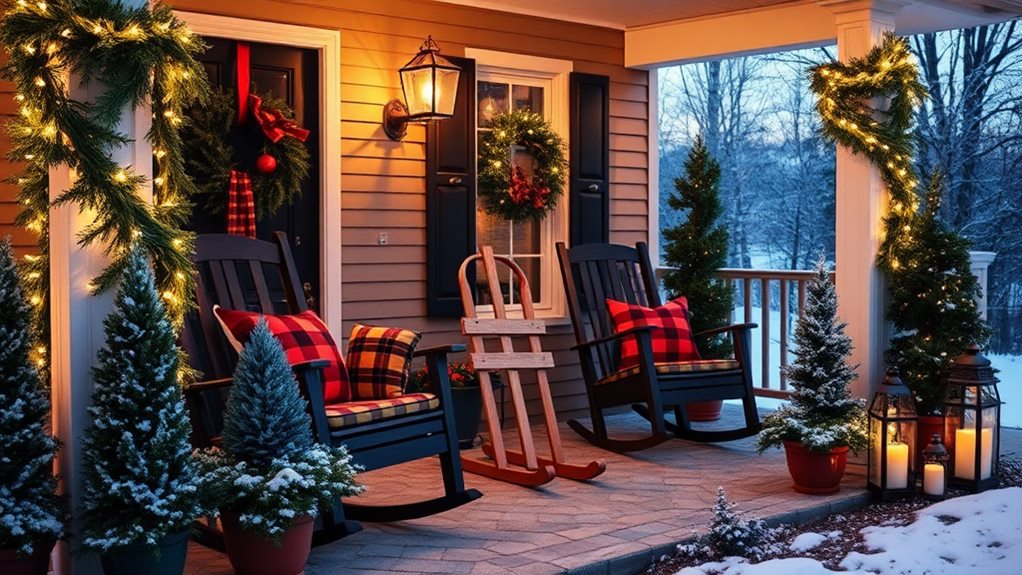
(383, 181)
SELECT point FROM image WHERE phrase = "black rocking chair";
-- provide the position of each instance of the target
(254, 275)
(594, 272)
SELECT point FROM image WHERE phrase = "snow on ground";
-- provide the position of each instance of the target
(807, 541)
(973, 534)
(1010, 388)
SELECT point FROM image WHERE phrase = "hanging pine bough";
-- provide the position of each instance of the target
(132, 57)
(214, 145)
(521, 166)
(868, 105)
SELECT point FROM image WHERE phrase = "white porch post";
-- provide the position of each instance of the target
(861, 204)
(76, 318)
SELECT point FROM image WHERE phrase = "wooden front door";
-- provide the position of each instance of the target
(290, 74)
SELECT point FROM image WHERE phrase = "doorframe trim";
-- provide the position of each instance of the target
(328, 44)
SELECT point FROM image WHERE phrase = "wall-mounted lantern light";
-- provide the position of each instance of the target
(430, 86)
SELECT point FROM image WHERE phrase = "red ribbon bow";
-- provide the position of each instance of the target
(273, 123)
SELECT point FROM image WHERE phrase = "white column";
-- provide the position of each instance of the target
(980, 264)
(76, 318)
(861, 205)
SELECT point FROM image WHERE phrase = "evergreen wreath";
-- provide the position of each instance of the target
(214, 144)
(506, 189)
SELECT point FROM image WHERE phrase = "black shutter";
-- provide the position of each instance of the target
(589, 194)
(451, 197)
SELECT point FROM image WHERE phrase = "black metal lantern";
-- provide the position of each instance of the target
(429, 83)
(892, 439)
(972, 419)
(935, 460)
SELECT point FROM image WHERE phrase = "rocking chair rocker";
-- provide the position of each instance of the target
(240, 273)
(594, 272)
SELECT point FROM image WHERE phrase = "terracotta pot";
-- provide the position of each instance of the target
(925, 428)
(704, 410)
(252, 554)
(167, 559)
(37, 564)
(815, 472)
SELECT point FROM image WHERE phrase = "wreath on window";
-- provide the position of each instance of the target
(214, 145)
(521, 166)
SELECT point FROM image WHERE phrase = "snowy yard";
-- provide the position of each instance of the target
(972, 534)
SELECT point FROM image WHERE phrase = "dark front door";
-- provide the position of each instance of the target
(292, 75)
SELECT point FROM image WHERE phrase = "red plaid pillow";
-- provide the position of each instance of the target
(380, 360)
(304, 337)
(672, 342)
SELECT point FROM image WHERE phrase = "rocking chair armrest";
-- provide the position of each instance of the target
(303, 366)
(614, 336)
(437, 349)
(726, 328)
(201, 386)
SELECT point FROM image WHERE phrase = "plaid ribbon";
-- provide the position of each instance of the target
(241, 205)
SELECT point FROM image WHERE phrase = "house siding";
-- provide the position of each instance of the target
(383, 181)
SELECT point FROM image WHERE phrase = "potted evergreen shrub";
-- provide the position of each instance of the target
(270, 478)
(695, 250)
(140, 486)
(466, 397)
(823, 421)
(31, 520)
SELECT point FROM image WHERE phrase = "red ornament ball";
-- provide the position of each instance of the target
(266, 164)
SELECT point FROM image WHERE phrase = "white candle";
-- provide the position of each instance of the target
(897, 465)
(965, 453)
(933, 479)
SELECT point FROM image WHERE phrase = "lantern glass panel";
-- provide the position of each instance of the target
(876, 441)
(418, 88)
(446, 89)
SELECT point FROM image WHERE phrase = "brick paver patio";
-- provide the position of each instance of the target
(644, 504)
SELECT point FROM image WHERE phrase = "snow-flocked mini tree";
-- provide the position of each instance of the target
(822, 414)
(697, 247)
(30, 515)
(140, 482)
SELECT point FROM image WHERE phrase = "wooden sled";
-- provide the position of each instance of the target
(528, 469)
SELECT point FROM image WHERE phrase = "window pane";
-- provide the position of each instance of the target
(526, 238)
(528, 98)
(493, 231)
(493, 100)
(531, 267)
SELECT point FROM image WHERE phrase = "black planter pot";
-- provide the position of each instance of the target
(468, 409)
(138, 558)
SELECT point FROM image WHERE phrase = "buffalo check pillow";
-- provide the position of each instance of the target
(672, 341)
(379, 360)
(304, 337)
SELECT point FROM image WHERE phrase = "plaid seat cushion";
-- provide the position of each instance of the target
(672, 342)
(379, 361)
(695, 366)
(304, 337)
(359, 412)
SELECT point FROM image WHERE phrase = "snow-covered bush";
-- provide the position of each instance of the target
(140, 481)
(269, 471)
(30, 514)
(733, 535)
(823, 414)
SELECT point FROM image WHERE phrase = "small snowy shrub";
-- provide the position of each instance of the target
(30, 513)
(732, 535)
(270, 471)
(140, 482)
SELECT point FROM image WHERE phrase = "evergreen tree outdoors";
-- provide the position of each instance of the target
(822, 414)
(265, 417)
(30, 515)
(697, 248)
(140, 483)
(933, 305)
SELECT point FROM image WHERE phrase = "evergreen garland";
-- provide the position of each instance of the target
(213, 145)
(822, 414)
(132, 57)
(140, 482)
(504, 192)
(697, 248)
(30, 515)
(933, 307)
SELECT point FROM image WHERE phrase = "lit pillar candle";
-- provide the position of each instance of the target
(933, 479)
(897, 465)
(965, 453)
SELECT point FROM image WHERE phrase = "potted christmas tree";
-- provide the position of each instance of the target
(823, 421)
(696, 249)
(31, 520)
(140, 488)
(270, 478)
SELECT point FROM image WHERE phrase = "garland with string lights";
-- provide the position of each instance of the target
(509, 189)
(129, 57)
